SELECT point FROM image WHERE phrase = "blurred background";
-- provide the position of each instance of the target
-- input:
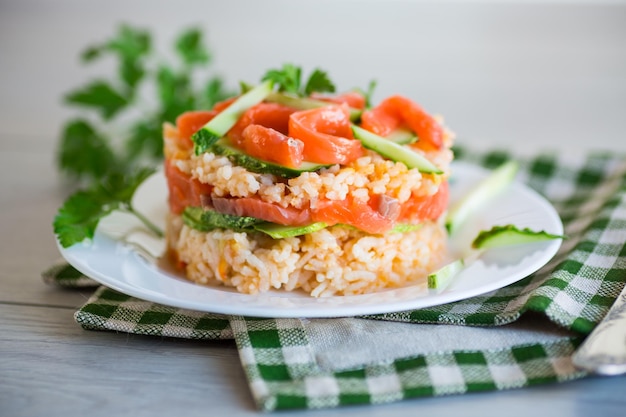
(526, 75)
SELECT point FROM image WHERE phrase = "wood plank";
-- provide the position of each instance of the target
(50, 366)
(28, 203)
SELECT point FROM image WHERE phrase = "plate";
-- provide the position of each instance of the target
(125, 257)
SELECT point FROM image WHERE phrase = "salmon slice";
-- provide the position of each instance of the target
(362, 215)
(397, 111)
(190, 122)
(326, 134)
(257, 208)
(271, 145)
(272, 115)
(422, 208)
(351, 98)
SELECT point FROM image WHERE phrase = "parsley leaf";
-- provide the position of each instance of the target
(92, 53)
(83, 151)
(319, 82)
(93, 155)
(79, 216)
(145, 138)
(100, 96)
(119, 186)
(131, 71)
(213, 92)
(130, 43)
(175, 92)
(191, 49)
(131, 46)
(287, 78)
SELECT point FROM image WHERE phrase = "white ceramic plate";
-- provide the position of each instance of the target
(121, 257)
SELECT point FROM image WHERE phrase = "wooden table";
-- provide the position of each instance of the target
(49, 366)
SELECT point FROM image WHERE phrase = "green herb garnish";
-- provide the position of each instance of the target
(120, 144)
(101, 145)
(288, 80)
(79, 216)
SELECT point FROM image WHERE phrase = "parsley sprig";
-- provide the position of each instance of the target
(289, 80)
(80, 214)
(104, 146)
(99, 132)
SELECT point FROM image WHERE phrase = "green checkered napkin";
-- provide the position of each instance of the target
(518, 336)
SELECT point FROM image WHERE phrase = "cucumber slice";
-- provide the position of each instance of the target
(402, 136)
(395, 152)
(480, 194)
(224, 147)
(207, 220)
(499, 236)
(441, 278)
(496, 237)
(279, 231)
(306, 103)
(220, 124)
(405, 227)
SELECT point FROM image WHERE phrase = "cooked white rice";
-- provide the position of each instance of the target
(339, 260)
(370, 174)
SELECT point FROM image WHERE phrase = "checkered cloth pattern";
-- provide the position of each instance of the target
(574, 292)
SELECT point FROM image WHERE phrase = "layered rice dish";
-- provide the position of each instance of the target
(300, 194)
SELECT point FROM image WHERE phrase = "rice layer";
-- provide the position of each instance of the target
(366, 176)
(339, 260)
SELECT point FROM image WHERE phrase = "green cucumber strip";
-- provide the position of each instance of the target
(402, 136)
(306, 103)
(279, 231)
(395, 152)
(442, 277)
(405, 227)
(207, 220)
(224, 147)
(220, 124)
(480, 194)
(499, 236)
(496, 237)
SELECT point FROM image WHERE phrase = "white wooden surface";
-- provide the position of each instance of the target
(524, 75)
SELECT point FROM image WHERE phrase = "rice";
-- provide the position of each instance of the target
(339, 260)
(368, 175)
